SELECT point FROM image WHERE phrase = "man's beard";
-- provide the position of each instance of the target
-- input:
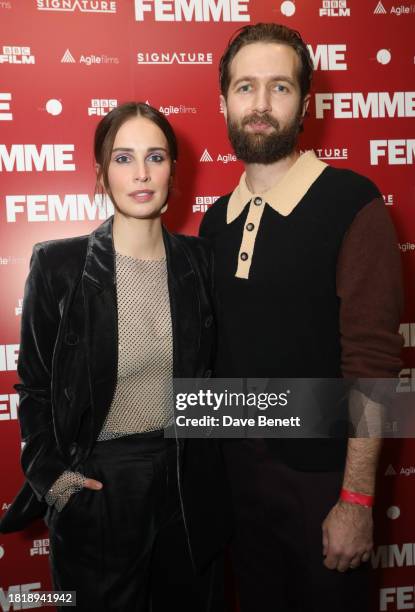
(263, 148)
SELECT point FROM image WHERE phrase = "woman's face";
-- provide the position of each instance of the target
(140, 169)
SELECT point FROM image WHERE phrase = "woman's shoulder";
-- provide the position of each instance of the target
(61, 254)
(195, 244)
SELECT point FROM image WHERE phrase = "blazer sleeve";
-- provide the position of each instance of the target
(41, 460)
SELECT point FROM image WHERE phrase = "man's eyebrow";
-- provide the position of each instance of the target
(277, 77)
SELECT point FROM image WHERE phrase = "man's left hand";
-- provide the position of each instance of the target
(347, 536)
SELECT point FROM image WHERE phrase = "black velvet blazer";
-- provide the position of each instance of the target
(68, 371)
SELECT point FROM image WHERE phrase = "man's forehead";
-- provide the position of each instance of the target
(264, 59)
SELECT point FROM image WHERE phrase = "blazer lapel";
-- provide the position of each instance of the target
(184, 304)
(100, 305)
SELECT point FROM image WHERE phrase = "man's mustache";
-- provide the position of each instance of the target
(263, 118)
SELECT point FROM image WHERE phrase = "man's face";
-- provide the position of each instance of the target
(263, 107)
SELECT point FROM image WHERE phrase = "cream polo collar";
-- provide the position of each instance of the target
(286, 194)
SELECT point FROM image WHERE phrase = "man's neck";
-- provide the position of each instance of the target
(262, 177)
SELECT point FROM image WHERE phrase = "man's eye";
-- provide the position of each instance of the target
(244, 88)
(122, 159)
(281, 88)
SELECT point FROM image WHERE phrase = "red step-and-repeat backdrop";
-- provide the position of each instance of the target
(65, 63)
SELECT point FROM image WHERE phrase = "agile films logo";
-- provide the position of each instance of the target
(193, 10)
(84, 6)
(16, 55)
(88, 60)
(397, 10)
(334, 8)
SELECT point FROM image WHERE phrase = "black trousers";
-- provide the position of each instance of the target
(124, 548)
(277, 549)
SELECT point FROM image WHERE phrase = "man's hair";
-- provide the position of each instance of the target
(267, 33)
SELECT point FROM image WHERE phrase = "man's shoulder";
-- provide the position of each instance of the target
(349, 185)
(215, 216)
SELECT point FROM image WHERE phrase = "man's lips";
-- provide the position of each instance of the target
(142, 195)
(258, 126)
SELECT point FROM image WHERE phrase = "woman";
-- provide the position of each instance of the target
(108, 320)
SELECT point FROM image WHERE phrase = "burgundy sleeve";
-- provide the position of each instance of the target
(369, 285)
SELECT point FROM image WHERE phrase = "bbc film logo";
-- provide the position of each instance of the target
(101, 106)
(82, 6)
(202, 203)
(334, 8)
(11, 54)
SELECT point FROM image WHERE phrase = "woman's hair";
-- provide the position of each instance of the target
(108, 127)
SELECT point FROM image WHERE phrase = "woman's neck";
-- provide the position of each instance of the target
(138, 238)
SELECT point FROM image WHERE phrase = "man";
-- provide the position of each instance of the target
(308, 283)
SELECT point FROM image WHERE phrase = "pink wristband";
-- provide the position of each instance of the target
(357, 498)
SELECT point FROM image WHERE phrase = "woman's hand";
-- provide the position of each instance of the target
(95, 485)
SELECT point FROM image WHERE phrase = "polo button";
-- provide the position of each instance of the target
(244, 256)
(208, 321)
(258, 201)
(208, 373)
(250, 227)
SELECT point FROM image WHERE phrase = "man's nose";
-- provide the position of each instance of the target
(262, 100)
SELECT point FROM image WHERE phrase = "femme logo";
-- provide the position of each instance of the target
(29, 158)
(396, 152)
(49, 208)
(356, 105)
(84, 6)
(5, 110)
(328, 57)
(8, 407)
(193, 10)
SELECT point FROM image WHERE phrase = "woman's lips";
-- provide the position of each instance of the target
(142, 195)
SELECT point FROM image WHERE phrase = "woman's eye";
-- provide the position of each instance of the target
(156, 157)
(122, 159)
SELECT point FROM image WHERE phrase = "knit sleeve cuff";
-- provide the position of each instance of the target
(62, 489)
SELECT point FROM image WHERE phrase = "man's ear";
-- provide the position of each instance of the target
(222, 101)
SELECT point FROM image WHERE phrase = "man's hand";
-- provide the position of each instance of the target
(347, 536)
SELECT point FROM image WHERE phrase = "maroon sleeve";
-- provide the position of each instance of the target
(369, 285)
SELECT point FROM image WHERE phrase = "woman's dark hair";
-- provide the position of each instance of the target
(267, 33)
(108, 127)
